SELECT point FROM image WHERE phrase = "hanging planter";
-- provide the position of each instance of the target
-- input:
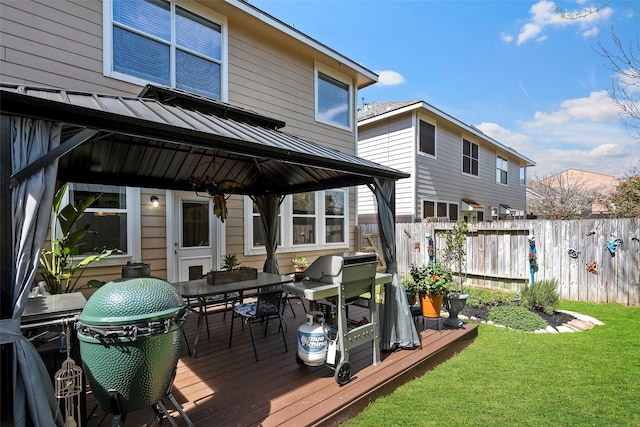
(220, 191)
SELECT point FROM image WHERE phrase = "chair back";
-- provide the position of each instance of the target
(269, 303)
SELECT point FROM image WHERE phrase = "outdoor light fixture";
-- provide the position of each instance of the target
(155, 201)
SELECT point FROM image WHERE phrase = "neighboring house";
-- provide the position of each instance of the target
(457, 172)
(227, 50)
(580, 192)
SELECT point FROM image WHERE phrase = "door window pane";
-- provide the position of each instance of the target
(195, 224)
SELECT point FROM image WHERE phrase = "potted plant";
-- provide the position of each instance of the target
(455, 256)
(432, 283)
(412, 290)
(299, 263)
(232, 271)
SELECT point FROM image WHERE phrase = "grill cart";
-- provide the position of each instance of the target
(335, 282)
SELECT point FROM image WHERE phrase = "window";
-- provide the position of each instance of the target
(304, 218)
(469, 157)
(155, 41)
(333, 100)
(111, 218)
(435, 210)
(309, 220)
(335, 221)
(523, 175)
(502, 166)
(427, 138)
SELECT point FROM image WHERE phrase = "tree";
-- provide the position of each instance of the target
(624, 61)
(624, 201)
(559, 197)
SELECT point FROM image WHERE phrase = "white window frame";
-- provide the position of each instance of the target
(505, 162)
(286, 230)
(470, 173)
(134, 245)
(435, 138)
(107, 44)
(320, 69)
(523, 175)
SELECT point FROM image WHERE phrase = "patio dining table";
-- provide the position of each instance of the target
(200, 290)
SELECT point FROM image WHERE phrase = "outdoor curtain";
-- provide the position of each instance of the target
(398, 329)
(34, 401)
(269, 207)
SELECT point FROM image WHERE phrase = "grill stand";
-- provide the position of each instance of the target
(159, 410)
(354, 276)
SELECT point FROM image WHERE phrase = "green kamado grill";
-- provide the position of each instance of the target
(130, 339)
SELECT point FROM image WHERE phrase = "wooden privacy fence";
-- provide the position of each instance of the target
(498, 254)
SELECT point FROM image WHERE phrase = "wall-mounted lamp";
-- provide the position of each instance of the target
(155, 201)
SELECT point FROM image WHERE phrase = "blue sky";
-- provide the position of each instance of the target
(515, 69)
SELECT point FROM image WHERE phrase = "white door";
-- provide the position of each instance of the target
(196, 237)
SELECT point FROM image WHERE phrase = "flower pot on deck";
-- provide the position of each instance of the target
(431, 306)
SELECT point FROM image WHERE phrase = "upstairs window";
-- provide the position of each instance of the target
(427, 138)
(333, 100)
(469, 158)
(502, 167)
(523, 175)
(156, 41)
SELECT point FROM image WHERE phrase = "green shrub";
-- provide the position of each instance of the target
(541, 296)
(479, 297)
(516, 317)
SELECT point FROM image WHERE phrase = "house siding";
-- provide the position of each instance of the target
(389, 142)
(59, 44)
(392, 141)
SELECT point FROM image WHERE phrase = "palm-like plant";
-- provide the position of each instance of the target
(57, 266)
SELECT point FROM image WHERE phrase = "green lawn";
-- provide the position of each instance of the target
(512, 378)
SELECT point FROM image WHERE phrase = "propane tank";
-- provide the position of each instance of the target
(312, 340)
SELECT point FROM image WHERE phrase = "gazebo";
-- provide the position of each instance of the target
(154, 140)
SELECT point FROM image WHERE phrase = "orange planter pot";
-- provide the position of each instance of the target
(431, 306)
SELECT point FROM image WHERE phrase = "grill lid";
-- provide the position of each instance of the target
(130, 301)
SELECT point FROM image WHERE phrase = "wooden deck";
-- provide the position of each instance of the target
(225, 386)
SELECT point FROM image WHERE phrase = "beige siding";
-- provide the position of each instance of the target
(59, 44)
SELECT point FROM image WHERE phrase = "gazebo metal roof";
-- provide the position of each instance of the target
(164, 137)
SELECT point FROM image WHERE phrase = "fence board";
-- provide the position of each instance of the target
(497, 255)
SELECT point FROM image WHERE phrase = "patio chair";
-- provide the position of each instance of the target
(266, 307)
(231, 298)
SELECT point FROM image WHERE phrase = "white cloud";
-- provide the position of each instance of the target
(507, 38)
(585, 133)
(389, 78)
(597, 107)
(545, 14)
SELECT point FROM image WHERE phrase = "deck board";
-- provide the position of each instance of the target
(225, 386)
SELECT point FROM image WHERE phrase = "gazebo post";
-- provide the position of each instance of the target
(6, 270)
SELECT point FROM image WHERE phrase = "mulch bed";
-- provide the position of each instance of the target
(555, 320)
